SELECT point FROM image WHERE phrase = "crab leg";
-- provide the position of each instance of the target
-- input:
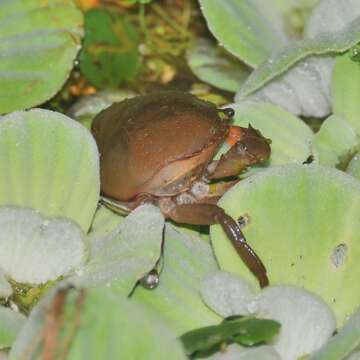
(206, 214)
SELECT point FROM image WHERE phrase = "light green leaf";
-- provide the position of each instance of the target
(335, 142)
(11, 323)
(354, 167)
(303, 90)
(36, 249)
(249, 29)
(343, 343)
(187, 259)
(105, 221)
(5, 287)
(345, 90)
(306, 320)
(282, 59)
(227, 294)
(94, 324)
(126, 254)
(50, 163)
(332, 15)
(211, 64)
(236, 352)
(304, 223)
(38, 44)
(125, 330)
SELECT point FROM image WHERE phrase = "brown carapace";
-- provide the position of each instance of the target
(159, 148)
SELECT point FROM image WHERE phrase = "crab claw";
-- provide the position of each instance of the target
(256, 144)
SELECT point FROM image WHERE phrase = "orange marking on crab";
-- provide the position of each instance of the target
(234, 135)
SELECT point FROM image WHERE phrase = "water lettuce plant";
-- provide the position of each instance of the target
(70, 268)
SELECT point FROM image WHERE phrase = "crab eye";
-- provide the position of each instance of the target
(241, 147)
(228, 112)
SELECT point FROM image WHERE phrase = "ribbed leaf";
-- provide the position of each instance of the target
(38, 44)
(304, 223)
(50, 163)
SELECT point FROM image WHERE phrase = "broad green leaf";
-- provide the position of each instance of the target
(335, 142)
(249, 29)
(242, 330)
(345, 90)
(211, 64)
(303, 90)
(125, 330)
(35, 249)
(304, 223)
(282, 59)
(306, 320)
(38, 44)
(11, 323)
(187, 259)
(94, 324)
(343, 343)
(50, 163)
(109, 55)
(123, 256)
(290, 137)
(227, 294)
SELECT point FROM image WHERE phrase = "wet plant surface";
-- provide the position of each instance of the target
(72, 269)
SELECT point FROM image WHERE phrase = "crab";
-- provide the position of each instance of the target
(159, 148)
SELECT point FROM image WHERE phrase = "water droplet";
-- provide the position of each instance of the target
(151, 280)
